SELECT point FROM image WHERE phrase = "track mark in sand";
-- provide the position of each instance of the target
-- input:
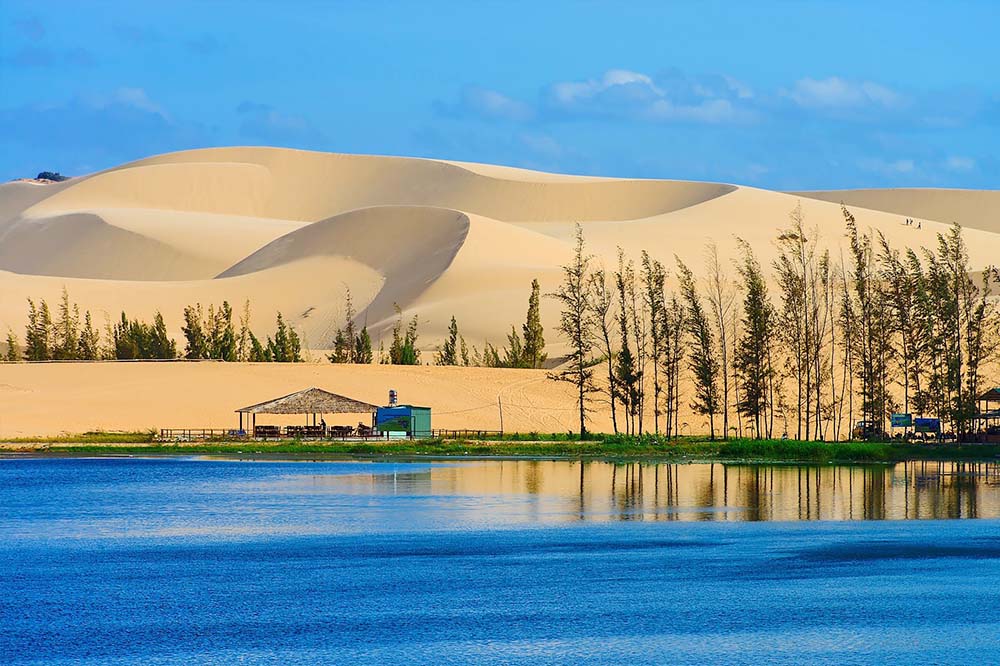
(10, 388)
(521, 403)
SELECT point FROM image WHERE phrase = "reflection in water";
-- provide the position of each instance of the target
(180, 561)
(597, 491)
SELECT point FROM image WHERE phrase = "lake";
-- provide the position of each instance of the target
(201, 561)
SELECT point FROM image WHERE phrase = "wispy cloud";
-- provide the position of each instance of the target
(133, 34)
(669, 97)
(137, 34)
(37, 52)
(867, 132)
(137, 98)
(204, 44)
(837, 93)
(486, 103)
(36, 56)
(892, 168)
(959, 163)
(673, 97)
(617, 84)
(495, 104)
(29, 27)
(542, 145)
(101, 128)
(263, 123)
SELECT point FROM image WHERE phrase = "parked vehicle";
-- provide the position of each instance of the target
(869, 430)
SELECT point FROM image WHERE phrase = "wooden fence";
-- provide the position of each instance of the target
(312, 433)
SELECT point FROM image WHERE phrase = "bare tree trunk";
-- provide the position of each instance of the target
(834, 414)
(721, 301)
(736, 381)
(770, 394)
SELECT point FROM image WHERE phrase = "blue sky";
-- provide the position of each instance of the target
(775, 94)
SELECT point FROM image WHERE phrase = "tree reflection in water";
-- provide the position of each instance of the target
(601, 491)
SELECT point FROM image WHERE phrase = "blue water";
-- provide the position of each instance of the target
(178, 561)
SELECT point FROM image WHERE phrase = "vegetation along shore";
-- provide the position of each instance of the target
(556, 445)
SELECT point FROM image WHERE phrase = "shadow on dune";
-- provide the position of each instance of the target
(310, 186)
(72, 245)
(410, 246)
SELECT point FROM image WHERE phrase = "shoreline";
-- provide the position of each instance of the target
(609, 449)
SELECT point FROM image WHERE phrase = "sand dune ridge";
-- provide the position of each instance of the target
(291, 230)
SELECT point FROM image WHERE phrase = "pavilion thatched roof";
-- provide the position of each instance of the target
(310, 401)
(992, 394)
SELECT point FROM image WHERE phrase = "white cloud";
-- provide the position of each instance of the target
(667, 97)
(709, 111)
(137, 98)
(671, 97)
(542, 145)
(837, 93)
(125, 98)
(475, 101)
(742, 90)
(613, 82)
(900, 167)
(97, 129)
(262, 122)
(958, 163)
(493, 104)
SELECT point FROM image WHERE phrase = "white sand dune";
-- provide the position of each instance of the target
(311, 186)
(973, 209)
(18, 196)
(293, 230)
(406, 267)
(66, 246)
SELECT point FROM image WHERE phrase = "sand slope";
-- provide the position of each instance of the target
(973, 209)
(293, 230)
(66, 245)
(49, 398)
(407, 268)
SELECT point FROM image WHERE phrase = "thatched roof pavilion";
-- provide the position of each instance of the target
(311, 401)
(993, 395)
(989, 419)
